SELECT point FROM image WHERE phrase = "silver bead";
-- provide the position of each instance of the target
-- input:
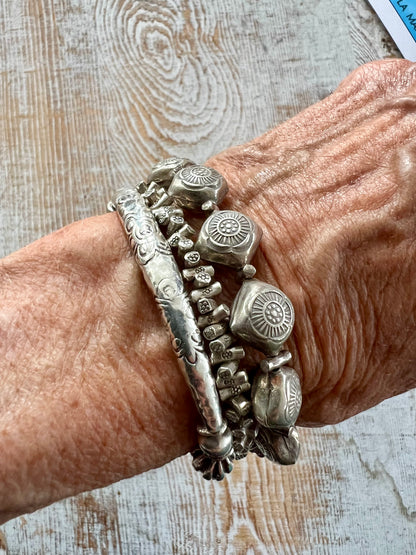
(161, 199)
(215, 330)
(232, 416)
(209, 206)
(208, 292)
(247, 272)
(282, 448)
(243, 438)
(221, 343)
(206, 305)
(164, 171)
(276, 398)
(175, 223)
(239, 378)
(185, 245)
(222, 312)
(141, 187)
(191, 259)
(202, 279)
(240, 405)
(227, 369)
(229, 238)
(151, 190)
(195, 185)
(274, 363)
(262, 316)
(235, 353)
(231, 387)
(184, 232)
(164, 213)
(190, 273)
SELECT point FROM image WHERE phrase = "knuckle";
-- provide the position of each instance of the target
(385, 76)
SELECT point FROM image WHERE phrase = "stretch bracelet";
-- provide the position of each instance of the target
(241, 411)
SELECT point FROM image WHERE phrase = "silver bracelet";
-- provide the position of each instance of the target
(240, 411)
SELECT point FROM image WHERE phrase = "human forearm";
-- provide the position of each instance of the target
(91, 392)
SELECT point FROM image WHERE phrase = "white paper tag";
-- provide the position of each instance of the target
(399, 18)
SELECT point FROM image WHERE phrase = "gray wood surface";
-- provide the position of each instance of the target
(92, 93)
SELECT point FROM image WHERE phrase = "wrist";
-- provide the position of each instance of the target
(101, 397)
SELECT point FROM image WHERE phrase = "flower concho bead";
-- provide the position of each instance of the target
(261, 413)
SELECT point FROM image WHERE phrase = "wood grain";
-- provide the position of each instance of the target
(91, 95)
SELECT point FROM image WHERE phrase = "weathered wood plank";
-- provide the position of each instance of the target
(92, 94)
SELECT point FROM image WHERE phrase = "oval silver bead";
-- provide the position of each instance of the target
(277, 398)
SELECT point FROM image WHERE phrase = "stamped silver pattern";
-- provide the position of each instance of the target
(272, 315)
(163, 276)
(229, 228)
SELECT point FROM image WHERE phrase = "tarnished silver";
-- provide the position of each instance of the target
(229, 238)
(262, 316)
(282, 448)
(153, 254)
(276, 398)
(194, 185)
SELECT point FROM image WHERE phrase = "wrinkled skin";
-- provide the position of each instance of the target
(91, 392)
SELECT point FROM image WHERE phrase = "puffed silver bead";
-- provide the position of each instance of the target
(230, 238)
(194, 185)
(262, 316)
(276, 398)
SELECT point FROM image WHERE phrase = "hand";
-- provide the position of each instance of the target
(91, 392)
(334, 189)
